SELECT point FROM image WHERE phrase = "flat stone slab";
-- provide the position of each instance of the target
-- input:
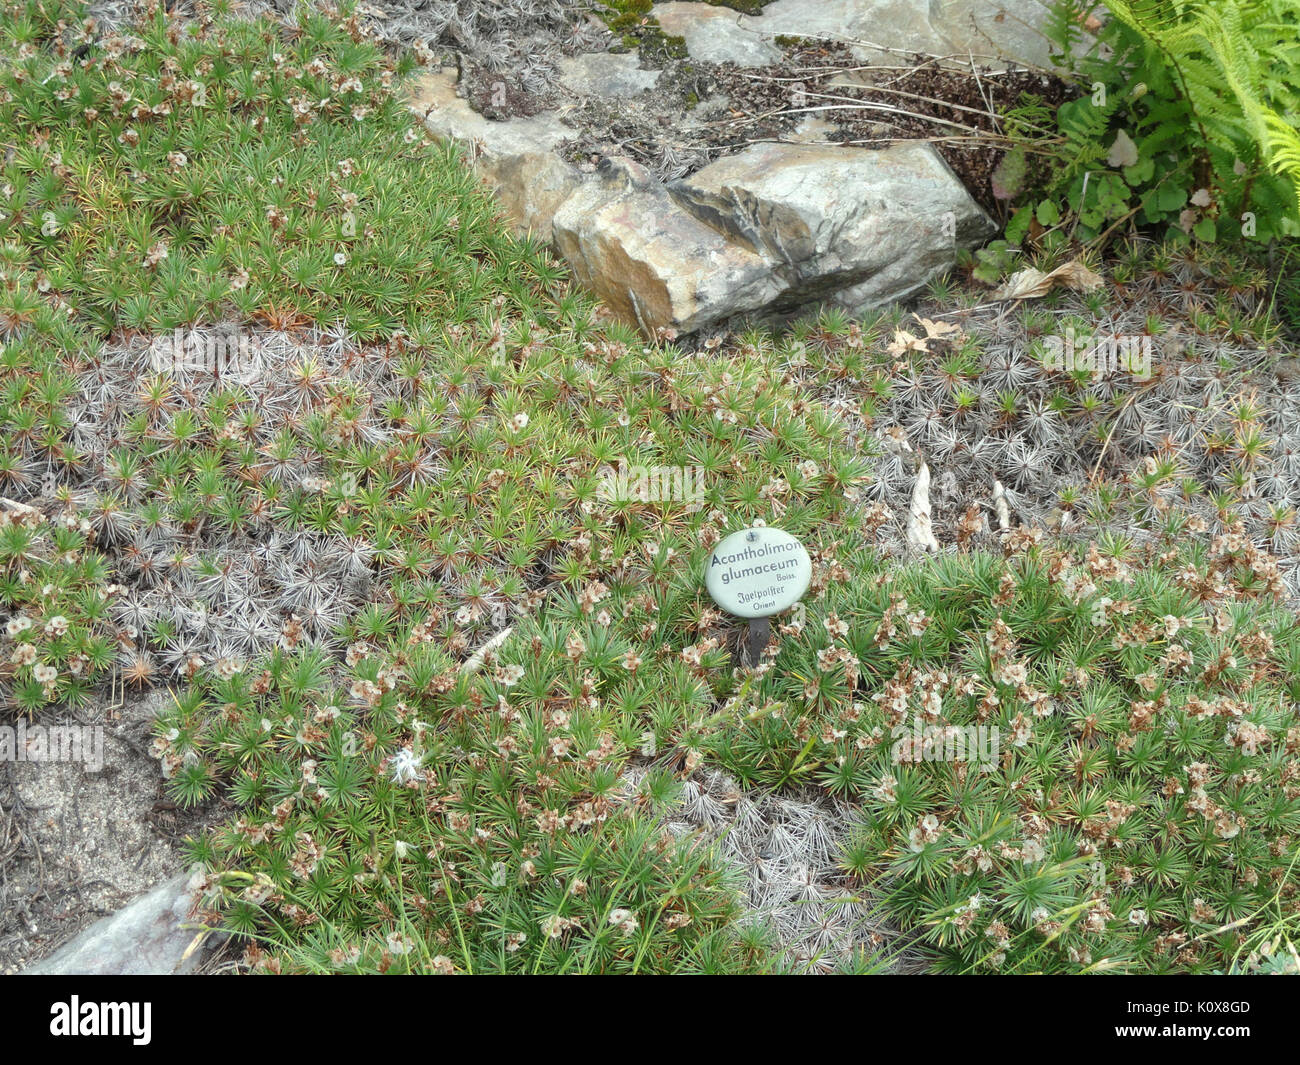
(999, 30)
(717, 34)
(151, 936)
(446, 113)
(610, 75)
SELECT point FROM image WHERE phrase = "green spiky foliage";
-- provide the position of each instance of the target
(487, 832)
(1185, 121)
(617, 649)
(419, 463)
(433, 414)
(191, 172)
(1138, 812)
(59, 629)
(1272, 952)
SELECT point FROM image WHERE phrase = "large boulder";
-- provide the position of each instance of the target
(775, 227)
(654, 264)
(878, 222)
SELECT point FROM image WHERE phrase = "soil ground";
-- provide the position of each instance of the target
(76, 843)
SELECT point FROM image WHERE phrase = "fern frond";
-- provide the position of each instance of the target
(1237, 46)
(1284, 150)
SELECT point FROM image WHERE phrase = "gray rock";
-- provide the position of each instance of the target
(516, 158)
(151, 936)
(777, 226)
(654, 264)
(716, 34)
(1005, 30)
(864, 226)
(608, 75)
(904, 24)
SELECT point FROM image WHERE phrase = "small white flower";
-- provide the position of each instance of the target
(399, 943)
(555, 926)
(405, 765)
(1098, 618)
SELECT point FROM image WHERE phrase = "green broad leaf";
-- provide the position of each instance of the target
(1171, 197)
(1047, 213)
(1019, 225)
(1112, 186)
(1140, 173)
(1151, 207)
(1205, 230)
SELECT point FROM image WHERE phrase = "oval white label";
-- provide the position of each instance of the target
(758, 572)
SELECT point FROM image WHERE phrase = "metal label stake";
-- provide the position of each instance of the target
(756, 637)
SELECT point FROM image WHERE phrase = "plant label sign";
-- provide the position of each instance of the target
(758, 572)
